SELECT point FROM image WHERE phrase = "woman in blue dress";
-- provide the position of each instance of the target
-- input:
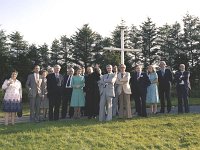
(152, 90)
(78, 98)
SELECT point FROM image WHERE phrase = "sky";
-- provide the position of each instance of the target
(41, 21)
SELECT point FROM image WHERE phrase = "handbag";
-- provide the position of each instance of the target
(19, 114)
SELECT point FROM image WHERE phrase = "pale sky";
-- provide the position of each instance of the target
(41, 21)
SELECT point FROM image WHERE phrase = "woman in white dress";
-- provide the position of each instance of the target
(12, 98)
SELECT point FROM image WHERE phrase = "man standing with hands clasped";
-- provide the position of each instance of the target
(106, 94)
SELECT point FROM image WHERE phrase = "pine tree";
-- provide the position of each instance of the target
(4, 56)
(82, 49)
(191, 37)
(34, 54)
(135, 43)
(149, 46)
(44, 55)
(56, 53)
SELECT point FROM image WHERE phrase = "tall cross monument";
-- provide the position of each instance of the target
(122, 49)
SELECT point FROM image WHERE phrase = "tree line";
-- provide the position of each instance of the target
(173, 43)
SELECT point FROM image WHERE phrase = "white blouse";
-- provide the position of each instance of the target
(12, 91)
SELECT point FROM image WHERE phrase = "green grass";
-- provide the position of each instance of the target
(192, 101)
(155, 132)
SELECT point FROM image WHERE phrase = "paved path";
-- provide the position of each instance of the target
(193, 109)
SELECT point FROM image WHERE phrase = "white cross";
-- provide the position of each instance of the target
(122, 49)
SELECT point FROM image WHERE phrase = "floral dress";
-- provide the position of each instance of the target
(13, 96)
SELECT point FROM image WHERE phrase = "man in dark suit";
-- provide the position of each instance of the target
(139, 83)
(54, 88)
(181, 79)
(164, 79)
(67, 93)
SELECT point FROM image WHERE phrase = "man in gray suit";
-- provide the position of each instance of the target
(107, 93)
(33, 85)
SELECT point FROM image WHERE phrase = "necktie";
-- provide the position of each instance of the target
(68, 81)
(163, 72)
(57, 77)
(107, 76)
(138, 74)
(122, 75)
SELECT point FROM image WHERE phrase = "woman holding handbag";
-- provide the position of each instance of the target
(12, 98)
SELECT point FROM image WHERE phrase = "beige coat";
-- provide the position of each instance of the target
(123, 83)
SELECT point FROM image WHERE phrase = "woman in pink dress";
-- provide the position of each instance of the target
(12, 98)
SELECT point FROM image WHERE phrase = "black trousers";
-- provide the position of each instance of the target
(54, 106)
(66, 100)
(182, 92)
(140, 103)
(164, 94)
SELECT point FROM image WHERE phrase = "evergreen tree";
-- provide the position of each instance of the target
(65, 44)
(149, 45)
(44, 55)
(191, 37)
(18, 45)
(56, 53)
(82, 49)
(18, 56)
(135, 43)
(4, 56)
(34, 54)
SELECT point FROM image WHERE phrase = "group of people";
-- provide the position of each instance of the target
(92, 94)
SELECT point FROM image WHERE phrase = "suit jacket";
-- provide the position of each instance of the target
(123, 83)
(179, 77)
(165, 81)
(33, 87)
(107, 84)
(139, 85)
(54, 86)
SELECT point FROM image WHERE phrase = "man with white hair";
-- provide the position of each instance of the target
(181, 79)
(54, 88)
(107, 93)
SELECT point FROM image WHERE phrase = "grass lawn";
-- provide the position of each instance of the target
(26, 110)
(155, 132)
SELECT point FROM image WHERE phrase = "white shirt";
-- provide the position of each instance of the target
(37, 77)
(69, 77)
(182, 82)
